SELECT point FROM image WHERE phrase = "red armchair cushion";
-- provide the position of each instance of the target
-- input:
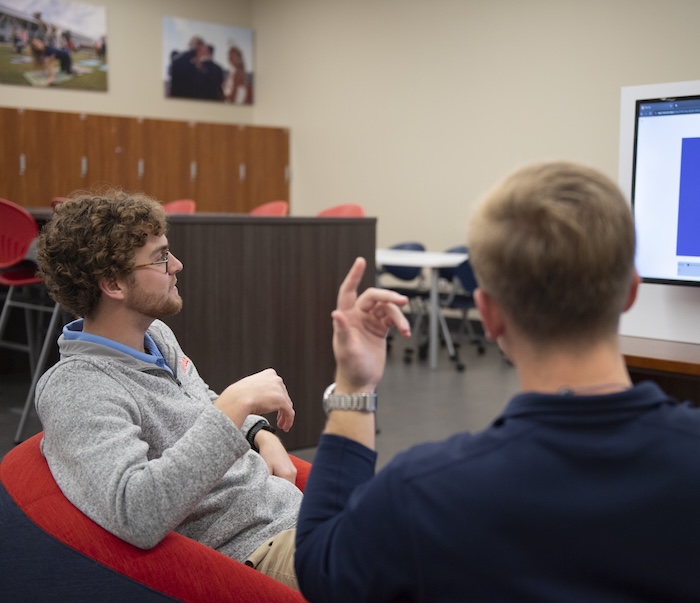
(43, 535)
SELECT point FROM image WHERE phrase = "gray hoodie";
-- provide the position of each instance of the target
(143, 452)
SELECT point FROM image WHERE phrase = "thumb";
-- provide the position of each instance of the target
(340, 324)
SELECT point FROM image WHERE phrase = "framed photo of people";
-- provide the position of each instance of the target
(53, 44)
(207, 61)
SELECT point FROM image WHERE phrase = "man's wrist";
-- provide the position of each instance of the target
(261, 425)
(360, 401)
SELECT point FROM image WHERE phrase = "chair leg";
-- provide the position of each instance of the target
(417, 313)
(5, 314)
(31, 331)
(473, 337)
(38, 371)
(451, 348)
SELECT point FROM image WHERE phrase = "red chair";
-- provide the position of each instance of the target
(53, 552)
(18, 230)
(273, 208)
(347, 210)
(180, 206)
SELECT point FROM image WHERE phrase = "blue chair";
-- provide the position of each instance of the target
(459, 296)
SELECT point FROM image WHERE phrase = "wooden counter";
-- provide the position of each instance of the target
(675, 366)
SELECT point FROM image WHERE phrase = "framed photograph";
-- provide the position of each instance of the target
(52, 43)
(207, 61)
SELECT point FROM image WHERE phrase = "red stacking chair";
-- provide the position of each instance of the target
(273, 208)
(347, 210)
(26, 290)
(180, 206)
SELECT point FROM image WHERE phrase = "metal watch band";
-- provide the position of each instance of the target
(362, 402)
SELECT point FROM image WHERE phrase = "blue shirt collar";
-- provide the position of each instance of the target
(73, 331)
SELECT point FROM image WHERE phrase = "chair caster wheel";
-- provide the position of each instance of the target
(423, 352)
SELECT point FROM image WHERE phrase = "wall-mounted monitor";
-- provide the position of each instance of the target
(665, 188)
(662, 309)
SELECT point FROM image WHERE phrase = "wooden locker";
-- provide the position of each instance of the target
(219, 150)
(267, 165)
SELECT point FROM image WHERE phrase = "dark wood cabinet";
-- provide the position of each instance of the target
(258, 292)
(673, 365)
(223, 167)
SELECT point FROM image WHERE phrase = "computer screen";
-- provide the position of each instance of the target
(665, 191)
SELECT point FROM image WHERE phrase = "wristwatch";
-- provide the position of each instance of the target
(253, 431)
(363, 402)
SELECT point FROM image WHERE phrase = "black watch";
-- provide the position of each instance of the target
(253, 431)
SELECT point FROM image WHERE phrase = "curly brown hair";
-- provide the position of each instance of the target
(91, 236)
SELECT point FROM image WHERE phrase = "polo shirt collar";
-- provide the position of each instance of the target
(639, 398)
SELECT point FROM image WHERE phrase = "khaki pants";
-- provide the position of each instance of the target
(275, 558)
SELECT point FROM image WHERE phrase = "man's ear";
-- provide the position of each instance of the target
(491, 316)
(632, 293)
(111, 287)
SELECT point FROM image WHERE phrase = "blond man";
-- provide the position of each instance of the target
(585, 488)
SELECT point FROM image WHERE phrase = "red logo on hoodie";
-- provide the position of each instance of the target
(184, 363)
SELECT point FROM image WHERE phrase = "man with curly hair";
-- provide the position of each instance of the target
(133, 436)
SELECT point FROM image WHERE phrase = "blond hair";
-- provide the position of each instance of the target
(554, 245)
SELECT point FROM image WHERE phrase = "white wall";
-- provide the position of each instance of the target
(415, 108)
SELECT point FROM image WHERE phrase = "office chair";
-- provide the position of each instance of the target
(411, 285)
(272, 208)
(17, 231)
(459, 296)
(180, 206)
(346, 210)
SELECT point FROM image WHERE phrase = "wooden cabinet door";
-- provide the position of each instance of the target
(54, 146)
(113, 152)
(12, 160)
(225, 168)
(219, 150)
(267, 165)
(168, 168)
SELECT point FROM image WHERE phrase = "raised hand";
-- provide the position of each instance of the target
(360, 325)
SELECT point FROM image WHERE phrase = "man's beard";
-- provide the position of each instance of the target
(154, 305)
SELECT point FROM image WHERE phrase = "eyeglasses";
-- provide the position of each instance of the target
(164, 260)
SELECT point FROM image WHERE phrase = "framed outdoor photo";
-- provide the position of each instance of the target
(207, 61)
(52, 43)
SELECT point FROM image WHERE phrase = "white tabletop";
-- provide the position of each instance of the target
(424, 259)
